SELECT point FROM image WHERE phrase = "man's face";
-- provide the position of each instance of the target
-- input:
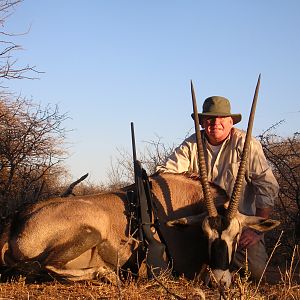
(217, 128)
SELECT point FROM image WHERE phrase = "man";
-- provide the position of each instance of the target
(223, 147)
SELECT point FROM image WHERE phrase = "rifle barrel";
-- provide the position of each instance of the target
(133, 141)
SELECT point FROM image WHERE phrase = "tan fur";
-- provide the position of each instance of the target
(51, 232)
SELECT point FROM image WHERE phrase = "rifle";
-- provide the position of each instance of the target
(155, 250)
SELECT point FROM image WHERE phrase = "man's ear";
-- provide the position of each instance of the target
(201, 122)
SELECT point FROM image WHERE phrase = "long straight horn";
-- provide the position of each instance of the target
(212, 211)
(237, 189)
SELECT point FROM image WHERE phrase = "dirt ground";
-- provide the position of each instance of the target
(144, 290)
(278, 284)
(281, 281)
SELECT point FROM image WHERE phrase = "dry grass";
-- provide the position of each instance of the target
(165, 288)
(281, 281)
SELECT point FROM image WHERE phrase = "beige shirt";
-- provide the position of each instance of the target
(260, 186)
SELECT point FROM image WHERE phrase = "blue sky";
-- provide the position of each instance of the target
(108, 63)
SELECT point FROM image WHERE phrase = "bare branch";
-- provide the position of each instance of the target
(31, 150)
(9, 69)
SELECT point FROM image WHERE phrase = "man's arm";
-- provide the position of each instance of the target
(263, 212)
(180, 160)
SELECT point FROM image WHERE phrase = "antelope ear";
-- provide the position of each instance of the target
(258, 223)
(187, 221)
(265, 225)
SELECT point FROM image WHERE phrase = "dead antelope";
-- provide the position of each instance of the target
(87, 237)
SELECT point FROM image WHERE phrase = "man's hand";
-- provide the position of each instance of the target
(249, 238)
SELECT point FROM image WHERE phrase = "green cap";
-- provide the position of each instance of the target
(217, 106)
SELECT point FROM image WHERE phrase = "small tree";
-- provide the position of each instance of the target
(121, 172)
(31, 152)
(30, 136)
(284, 157)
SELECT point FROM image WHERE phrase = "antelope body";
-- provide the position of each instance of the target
(81, 238)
